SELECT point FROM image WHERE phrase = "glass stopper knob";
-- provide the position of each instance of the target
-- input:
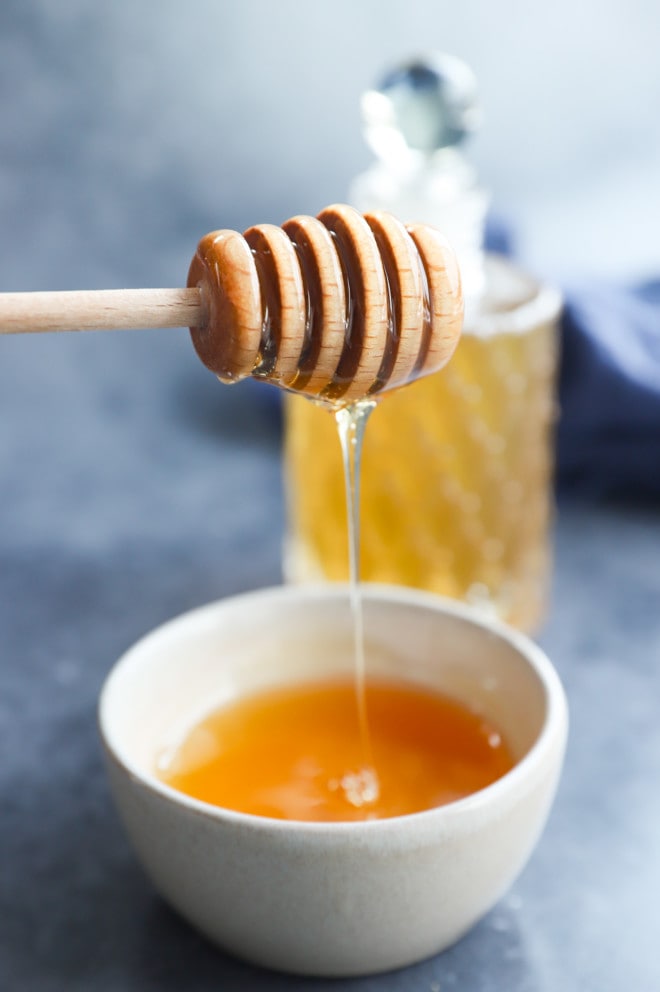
(421, 107)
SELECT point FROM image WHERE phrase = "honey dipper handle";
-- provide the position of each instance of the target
(99, 310)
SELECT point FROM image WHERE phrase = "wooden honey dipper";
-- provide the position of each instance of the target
(339, 307)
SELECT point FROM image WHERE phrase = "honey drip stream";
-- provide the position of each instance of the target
(360, 787)
(338, 750)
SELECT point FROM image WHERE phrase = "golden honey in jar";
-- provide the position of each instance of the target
(456, 468)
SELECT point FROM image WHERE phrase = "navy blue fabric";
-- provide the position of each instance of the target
(609, 431)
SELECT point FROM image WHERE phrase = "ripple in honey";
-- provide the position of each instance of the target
(296, 753)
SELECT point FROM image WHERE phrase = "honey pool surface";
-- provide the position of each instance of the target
(296, 753)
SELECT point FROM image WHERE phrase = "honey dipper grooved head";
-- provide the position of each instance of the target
(339, 307)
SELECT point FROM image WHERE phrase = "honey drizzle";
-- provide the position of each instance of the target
(361, 787)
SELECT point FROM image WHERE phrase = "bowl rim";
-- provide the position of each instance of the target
(553, 731)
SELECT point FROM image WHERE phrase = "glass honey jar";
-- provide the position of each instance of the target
(456, 489)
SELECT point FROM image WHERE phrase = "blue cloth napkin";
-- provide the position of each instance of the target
(609, 431)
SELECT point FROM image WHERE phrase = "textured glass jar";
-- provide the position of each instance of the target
(457, 468)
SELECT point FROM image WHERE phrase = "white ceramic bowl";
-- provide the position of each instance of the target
(340, 898)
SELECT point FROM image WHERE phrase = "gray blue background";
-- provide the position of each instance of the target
(126, 129)
(133, 486)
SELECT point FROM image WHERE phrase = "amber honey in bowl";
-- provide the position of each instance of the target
(296, 753)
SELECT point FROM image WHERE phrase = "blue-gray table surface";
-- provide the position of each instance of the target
(133, 487)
